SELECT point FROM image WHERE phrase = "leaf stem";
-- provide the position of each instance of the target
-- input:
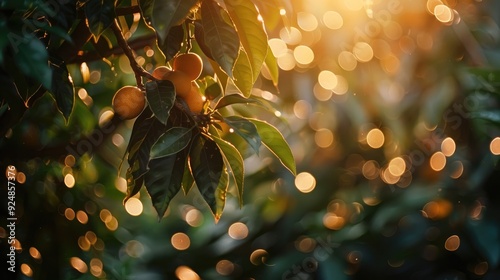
(138, 70)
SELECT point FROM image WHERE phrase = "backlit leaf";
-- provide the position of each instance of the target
(62, 89)
(233, 99)
(246, 129)
(272, 66)
(32, 58)
(220, 35)
(243, 76)
(234, 161)
(173, 43)
(251, 32)
(276, 143)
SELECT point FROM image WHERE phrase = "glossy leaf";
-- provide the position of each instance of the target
(146, 131)
(32, 58)
(243, 76)
(221, 194)
(272, 66)
(62, 89)
(161, 98)
(276, 143)
(251, 32)
(173, 43)
(187, 178)
(171, 142)
(220, 36)
(234, 99)
(163, 15)
(100, 15)
(234, 161)
(246, 129)
(210, 87)
(199, 35)
(163, 182)
(206, 165)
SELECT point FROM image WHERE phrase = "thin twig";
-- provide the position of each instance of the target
(138, 70)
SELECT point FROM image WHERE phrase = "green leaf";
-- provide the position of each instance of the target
(171, 142)
(100, 15)
(246, 129)
(272, 66)
(243, 76)
(146, 131)
(163, 182)
(234, 160)
(221, 194)
(220, 35)
(275, 142)
(210, 87)
(206, 165)
(187, 179)
(161, 98)
(165, 14)
(173, 43)
(199, 35)
(233, 99)
(32, 59)
(251, 32)
(62, 89)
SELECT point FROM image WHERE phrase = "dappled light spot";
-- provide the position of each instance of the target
(194, 217)
(438, 161)
(443, 13)
(481, 268)
(307, 21)
(34, 253)
(180, 241)
(332, 221)
(333, 20)
(303, 54)
(437, 209)
(26, 270)
(375, 138)
(259, 257)
(186, 273)
(388, 177)
(69, 160)
(397, 166)
(224, 267)
(105, 215)
(121, 184)
(91, 237)
(291, 36)
(342, 86)
(324, 138)
(21, 177)
(495, 146)
(134, 248)
(96, 267)
(69, 180)
(302, 109)
(82, 217)
(477, 210)
(83, 243)
(305, 182)
(69, 214)
(238, 231)
(321, 93)
(347, 61)
(118, 140)
(448, 146)
(305, 244)
(112, 224)
(327, 79)
(134, 206)
(278, 47)
(452, 243)
(287, 61)
(354, 5)
(457, 168)
(78, 264)
(363, 51)
(370, 169)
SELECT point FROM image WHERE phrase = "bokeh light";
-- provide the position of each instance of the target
(305, 182)
(180, 241)
(134, 206)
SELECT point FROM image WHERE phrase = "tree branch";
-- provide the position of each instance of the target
(123, 11)
(138, 70)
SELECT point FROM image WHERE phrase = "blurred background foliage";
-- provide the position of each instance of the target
(391, 108)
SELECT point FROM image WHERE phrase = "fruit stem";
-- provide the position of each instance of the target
(138, 70)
